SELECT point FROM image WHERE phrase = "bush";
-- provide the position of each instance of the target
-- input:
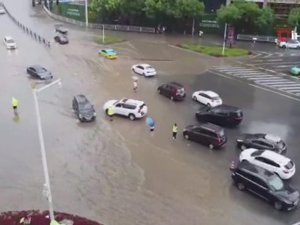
(108, 39)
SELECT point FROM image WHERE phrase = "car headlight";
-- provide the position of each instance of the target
(80, 116)
(94, 113)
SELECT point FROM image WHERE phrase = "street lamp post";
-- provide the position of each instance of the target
(86, 14)
(42, 146)
(225, 31)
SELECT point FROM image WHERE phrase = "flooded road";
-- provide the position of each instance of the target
(116, 172)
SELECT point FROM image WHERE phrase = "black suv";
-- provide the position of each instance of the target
(83, 108)
(266, 185)
(223, 115)
(262, 141)
(208, 134)
(172, 90)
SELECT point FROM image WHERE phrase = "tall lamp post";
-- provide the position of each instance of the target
(47, 188)
(225, 31)
(86, 14)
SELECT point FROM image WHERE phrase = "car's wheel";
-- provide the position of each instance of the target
(298, 47)
(159, 91)
(106, 111)
(171, 97)
(243, 147)
(194, 98)
(131, 116)
(283, 46)
(208, 105)
(211, 146)
(186, 136)
(240, 186)
(278, 205)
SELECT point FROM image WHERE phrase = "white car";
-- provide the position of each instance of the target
(144, 70)
(2, 11)
(127, 107)
(9, 43)
(290, 44)
(269, 160)
(208, 98)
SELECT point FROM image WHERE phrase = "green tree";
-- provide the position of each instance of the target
(105, 9)
(245, 16)
(294, 17)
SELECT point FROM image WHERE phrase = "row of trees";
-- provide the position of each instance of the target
(154, 12)
(245, 16)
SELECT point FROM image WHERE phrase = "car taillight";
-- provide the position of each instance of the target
(218, 140)
(232, 166)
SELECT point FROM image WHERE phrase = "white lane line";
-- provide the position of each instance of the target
(288, 88)
(238, 70)
(263, 77)
(282, 66)
(275, 92)
(266, 80)
(280, 86)
(271, 83)
(293, 91)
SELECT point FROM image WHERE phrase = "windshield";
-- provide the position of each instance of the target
(148, 67)
(11, 41)
(41, 70)
(215, 98)
(275, 183)
(85, 107)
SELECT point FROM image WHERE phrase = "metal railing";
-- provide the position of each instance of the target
(258, 38)
(27, 30)
(100, 26)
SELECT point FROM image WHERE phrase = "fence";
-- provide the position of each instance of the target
(259, 38)
(100, 26)
(27, 30)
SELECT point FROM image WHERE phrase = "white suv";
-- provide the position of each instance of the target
(290, 44)
(9, 43)
(271, 161)
(127, 107)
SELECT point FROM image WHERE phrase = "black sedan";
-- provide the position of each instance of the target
(39, 72)
(223, 115)
(262, 141)
(83, 109)
(61, 39)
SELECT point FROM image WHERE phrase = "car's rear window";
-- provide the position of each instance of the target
(289, 165)
(238, 113)
(257, 153)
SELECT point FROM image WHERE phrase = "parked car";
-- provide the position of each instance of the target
(130, 108)
(39, 72)
(265, 184)
(208, 134)
(209, 98)
(295, 70)
(108, 53)
(172, 90)
(9, 42)
(272, 161)
(262, 141)
(83, 109)
(290, 44)
(223, 115)
(2, 11)
(144, 70)
(61, 39)
(61, 29)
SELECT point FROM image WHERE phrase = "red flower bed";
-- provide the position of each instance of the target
(36, 217)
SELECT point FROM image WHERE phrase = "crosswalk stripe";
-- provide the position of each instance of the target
(271, 83)
(293, 91)
(279, 86)
(286, 87)
(267, 79)
(261, 77)
(240, 70)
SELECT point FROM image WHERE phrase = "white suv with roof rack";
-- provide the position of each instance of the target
(269, 160)
(130, 108)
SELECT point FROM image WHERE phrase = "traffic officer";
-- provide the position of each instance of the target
(110, 113)
(174, 131)
(14, 103)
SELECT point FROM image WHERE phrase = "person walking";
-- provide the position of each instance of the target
(14, 103)
(135, 85)
(110, 113)
(174, 131)
(151, 124)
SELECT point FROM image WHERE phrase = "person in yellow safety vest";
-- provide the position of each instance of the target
(174, 131)
(110, 113)
(14, 103)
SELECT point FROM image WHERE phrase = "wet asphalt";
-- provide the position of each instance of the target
(116, 172)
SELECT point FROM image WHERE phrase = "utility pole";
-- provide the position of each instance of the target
(225, 30)
(86, 14)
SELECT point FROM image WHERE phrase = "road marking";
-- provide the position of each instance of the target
(275, 92)
(272, 83)
(282, 66)
(285, 88)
